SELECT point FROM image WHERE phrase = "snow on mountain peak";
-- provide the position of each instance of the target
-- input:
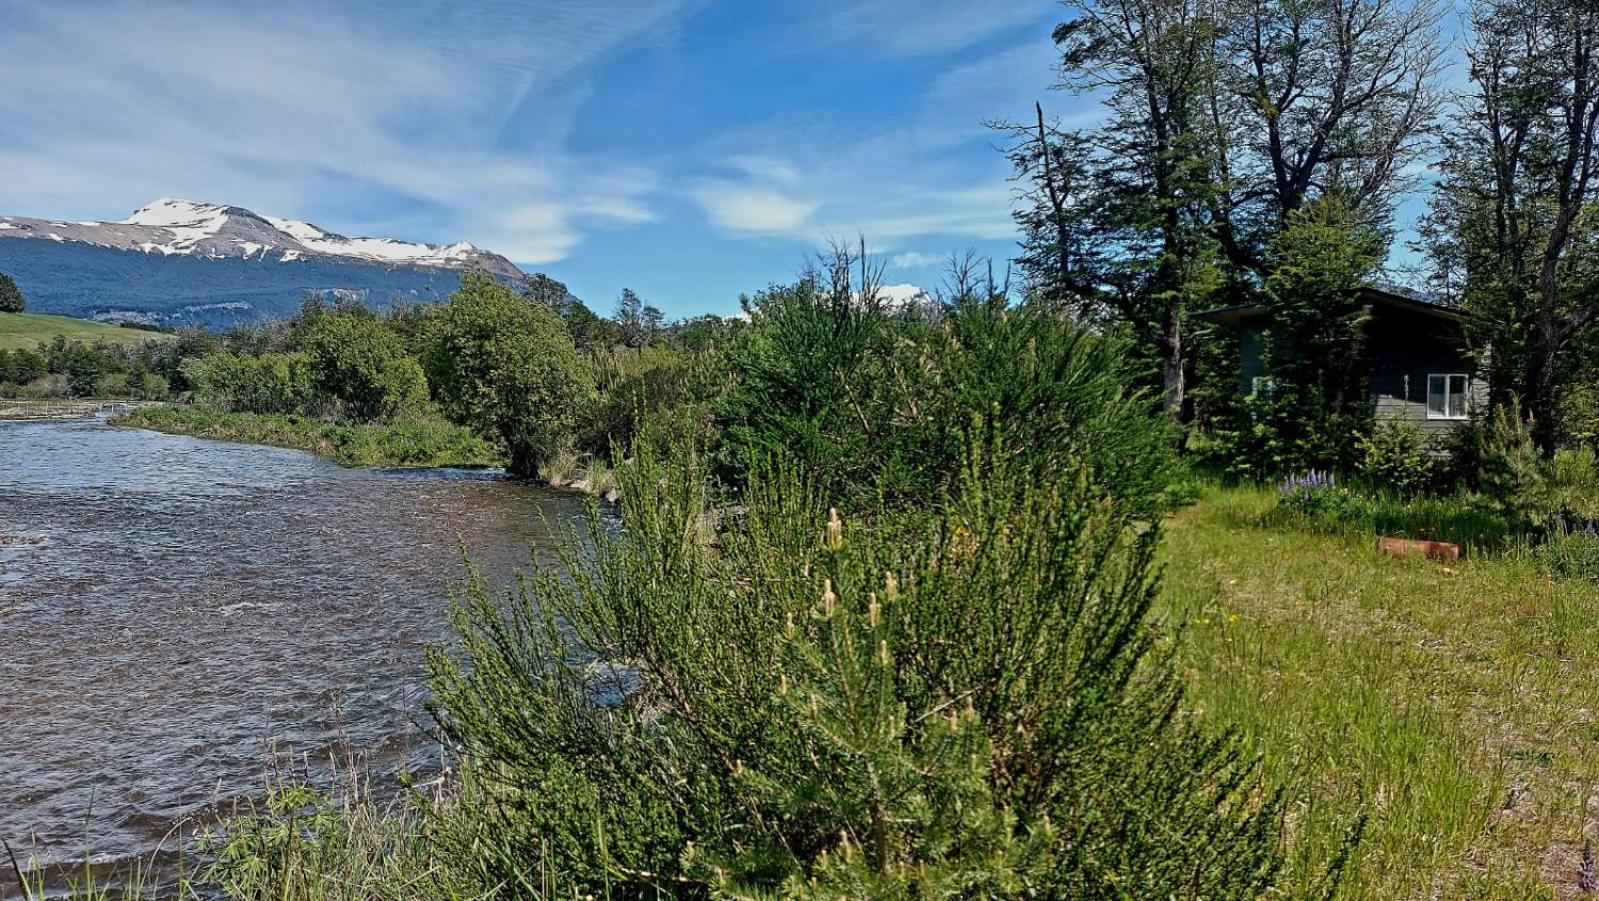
(188, 222)
(174, 211)
(174, 226)
(294, 228)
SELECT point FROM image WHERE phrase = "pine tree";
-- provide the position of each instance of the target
(11, 299)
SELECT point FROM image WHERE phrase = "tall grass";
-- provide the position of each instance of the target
(1459, 517)
(1449, 706)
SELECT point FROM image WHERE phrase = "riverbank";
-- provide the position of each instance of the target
(57, 408)
(408, 443)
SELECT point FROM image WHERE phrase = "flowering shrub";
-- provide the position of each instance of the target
(1310, 494)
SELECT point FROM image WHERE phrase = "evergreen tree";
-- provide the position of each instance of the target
(11, 299)
(639, 322)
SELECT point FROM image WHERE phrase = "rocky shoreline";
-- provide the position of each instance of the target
(59, 408)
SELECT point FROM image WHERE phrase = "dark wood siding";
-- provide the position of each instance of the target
(1405, 348)
(1248, 357)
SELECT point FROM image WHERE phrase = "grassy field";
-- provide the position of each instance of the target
(1454, 709)
(19, 330)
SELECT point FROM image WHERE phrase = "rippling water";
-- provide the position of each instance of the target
(172, 609)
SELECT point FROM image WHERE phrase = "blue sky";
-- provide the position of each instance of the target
(687, 150)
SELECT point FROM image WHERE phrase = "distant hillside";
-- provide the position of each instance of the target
(19, 330)
(180, 261)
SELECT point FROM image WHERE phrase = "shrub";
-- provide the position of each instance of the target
(961, 701)
(641, 384)
(872, 404)
(113, 384)
(1284, 429)
(1516, 480)
(561, 468)
(1571, 555)
(362, 363)
(1511, 470)
(52, 385)
(269, 383)
(1394, 456)
(152, 387)
(1573, 477)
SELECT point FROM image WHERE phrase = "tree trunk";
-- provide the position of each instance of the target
(1538, 400)
(521, 462)
(1173, 375)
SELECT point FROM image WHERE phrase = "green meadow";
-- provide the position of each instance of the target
(1447, 710)
(28, 330)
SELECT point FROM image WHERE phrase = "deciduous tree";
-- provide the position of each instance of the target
(506, 366)
(1512, 233)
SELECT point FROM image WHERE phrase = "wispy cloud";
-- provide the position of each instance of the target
(914, 260)
(385, 108)
(919, 27)
(935, 173)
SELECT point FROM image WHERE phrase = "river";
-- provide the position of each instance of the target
(175, 612)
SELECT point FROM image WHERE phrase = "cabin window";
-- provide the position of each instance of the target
(1260, 386)
(1446, 396)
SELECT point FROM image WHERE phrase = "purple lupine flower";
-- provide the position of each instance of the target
(1588, 873)
(1313, 480)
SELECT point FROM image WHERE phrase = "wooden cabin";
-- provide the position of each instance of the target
(1421, 367)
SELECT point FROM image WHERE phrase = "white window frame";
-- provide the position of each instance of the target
(1449, 412)
(1261, 386)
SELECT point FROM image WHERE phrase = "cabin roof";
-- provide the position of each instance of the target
(1375, 295)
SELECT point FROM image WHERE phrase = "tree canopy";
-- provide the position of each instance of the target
(11, 299)
(507, 366)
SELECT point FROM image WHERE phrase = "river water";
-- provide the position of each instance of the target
(174, 613)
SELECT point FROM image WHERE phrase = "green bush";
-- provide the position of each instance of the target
(645, 384)
(1283, 429)
(1394, 456)
(506, 366)
(1518, 482)
(269, 383)
(1511, 471)
(1571, 555)
(874, 405)
(968, 701)
(362, 363)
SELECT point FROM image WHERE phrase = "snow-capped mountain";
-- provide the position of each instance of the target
(177, 261)
(170, 226)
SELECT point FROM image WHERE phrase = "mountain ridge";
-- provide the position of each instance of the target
(174, 226)
(176, 262)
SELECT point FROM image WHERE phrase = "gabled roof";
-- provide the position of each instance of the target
(1377, 296)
